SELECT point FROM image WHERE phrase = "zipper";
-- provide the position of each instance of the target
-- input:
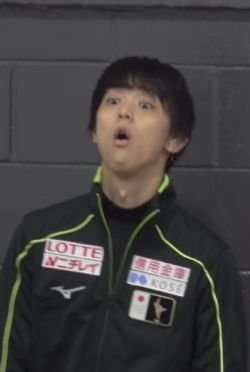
(110, 243)
(113, 287)
(130, 242)
(99, 352)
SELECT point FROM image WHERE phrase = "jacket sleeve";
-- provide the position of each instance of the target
(220, 330)
(15, 314)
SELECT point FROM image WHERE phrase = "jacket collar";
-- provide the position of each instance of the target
(163, 197)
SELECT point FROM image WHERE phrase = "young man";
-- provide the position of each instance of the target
(123, 279)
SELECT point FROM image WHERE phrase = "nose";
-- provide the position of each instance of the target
(125, 112)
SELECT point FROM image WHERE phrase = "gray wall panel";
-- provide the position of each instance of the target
(53, 104)
(194, 41)
(233, 119)
(4, 111)
(53, 38)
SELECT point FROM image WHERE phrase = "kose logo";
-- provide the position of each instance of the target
(138, 278)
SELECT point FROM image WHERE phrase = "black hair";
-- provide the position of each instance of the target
(158, 78)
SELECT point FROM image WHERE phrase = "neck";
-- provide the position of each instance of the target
(130, 191)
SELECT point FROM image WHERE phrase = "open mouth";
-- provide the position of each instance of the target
(121, 137)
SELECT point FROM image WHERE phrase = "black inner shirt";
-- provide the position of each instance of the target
(121, 222)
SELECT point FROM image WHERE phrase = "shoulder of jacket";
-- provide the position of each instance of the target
(193, 237)
(59, 216)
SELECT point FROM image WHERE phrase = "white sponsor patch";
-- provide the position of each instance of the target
(75, 257)
(152, 308)
(160, 276)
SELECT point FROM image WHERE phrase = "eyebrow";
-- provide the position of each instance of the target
(144, 91)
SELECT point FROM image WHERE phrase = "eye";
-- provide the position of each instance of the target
(146, 105)
(112, 100)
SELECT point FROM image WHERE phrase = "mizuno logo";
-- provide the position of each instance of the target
(66, 293)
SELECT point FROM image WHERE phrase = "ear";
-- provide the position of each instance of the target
(176, 144)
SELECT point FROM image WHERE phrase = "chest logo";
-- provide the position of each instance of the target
(67, 293)
(151, 308)
(75, 257)
(157, 275)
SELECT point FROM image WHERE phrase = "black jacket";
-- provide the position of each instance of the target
(174, 304)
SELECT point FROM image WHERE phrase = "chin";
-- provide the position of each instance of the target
(123, 170)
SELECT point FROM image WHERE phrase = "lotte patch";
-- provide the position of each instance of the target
(152, 308)
(71, 256)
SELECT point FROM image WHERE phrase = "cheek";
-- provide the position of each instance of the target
(103, 120)
(156, 140)
(158, 134)
(101, 136)
(98, 120)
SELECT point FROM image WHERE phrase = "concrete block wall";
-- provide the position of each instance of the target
(51, 53)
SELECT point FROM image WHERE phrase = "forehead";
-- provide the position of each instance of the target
(133, 91)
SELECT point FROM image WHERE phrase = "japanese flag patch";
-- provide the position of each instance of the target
(152, 308)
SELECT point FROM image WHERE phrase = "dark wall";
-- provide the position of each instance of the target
(51, 53)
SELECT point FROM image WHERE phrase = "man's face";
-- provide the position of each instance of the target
(132, 130)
